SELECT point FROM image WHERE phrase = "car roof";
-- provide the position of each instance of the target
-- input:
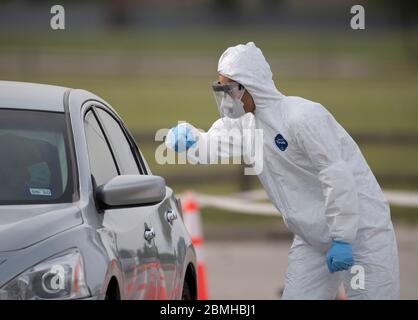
(32, 96)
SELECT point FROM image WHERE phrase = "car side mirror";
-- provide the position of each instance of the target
(132, 190)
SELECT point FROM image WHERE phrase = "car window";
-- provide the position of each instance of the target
(35, 162)
(120, 145)
(102, 165)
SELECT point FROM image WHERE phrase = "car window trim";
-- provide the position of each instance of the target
(71, 146)
(91, 108)
(132, 145)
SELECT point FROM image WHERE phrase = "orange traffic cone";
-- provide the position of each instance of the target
(191, 216)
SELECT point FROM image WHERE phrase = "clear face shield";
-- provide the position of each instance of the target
(228, 98)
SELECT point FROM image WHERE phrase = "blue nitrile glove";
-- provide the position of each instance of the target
(340, 256)
(183, 138)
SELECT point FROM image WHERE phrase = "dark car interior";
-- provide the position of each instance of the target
(29, 168)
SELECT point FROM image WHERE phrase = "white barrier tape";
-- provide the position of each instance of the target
(402, 198)
(256, 195)
(238, 205)
(244, 202)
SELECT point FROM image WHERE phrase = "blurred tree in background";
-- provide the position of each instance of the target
(118, 13)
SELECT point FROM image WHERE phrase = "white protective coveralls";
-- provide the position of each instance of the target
(317, 177)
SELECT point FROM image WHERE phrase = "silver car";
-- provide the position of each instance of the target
(81, 215)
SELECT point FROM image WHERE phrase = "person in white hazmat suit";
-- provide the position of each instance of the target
(315, 175)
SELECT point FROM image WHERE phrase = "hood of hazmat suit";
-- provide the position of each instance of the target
(316, 176)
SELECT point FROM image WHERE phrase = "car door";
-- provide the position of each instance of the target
(162, 220)
(165, 224)
(130, 226)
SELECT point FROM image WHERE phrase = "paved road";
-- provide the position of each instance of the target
(255, 269)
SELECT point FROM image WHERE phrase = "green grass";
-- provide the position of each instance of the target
(404, 215)
(208, 42)
(392, 159)
(368, 105)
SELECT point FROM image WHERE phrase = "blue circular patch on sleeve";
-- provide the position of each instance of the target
(281, 142)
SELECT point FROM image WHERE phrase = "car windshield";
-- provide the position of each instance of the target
(35, 162)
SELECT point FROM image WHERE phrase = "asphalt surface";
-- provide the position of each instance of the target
(255, 269)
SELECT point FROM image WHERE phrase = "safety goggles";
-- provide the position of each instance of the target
(228, 99)
(234, 89)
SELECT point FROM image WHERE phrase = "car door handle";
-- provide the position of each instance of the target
(171, 215)
(149, 234)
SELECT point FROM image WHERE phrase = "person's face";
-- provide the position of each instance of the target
(247, 99)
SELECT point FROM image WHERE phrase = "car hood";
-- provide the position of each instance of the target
(24, 225)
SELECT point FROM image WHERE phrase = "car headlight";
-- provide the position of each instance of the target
(60, 277)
